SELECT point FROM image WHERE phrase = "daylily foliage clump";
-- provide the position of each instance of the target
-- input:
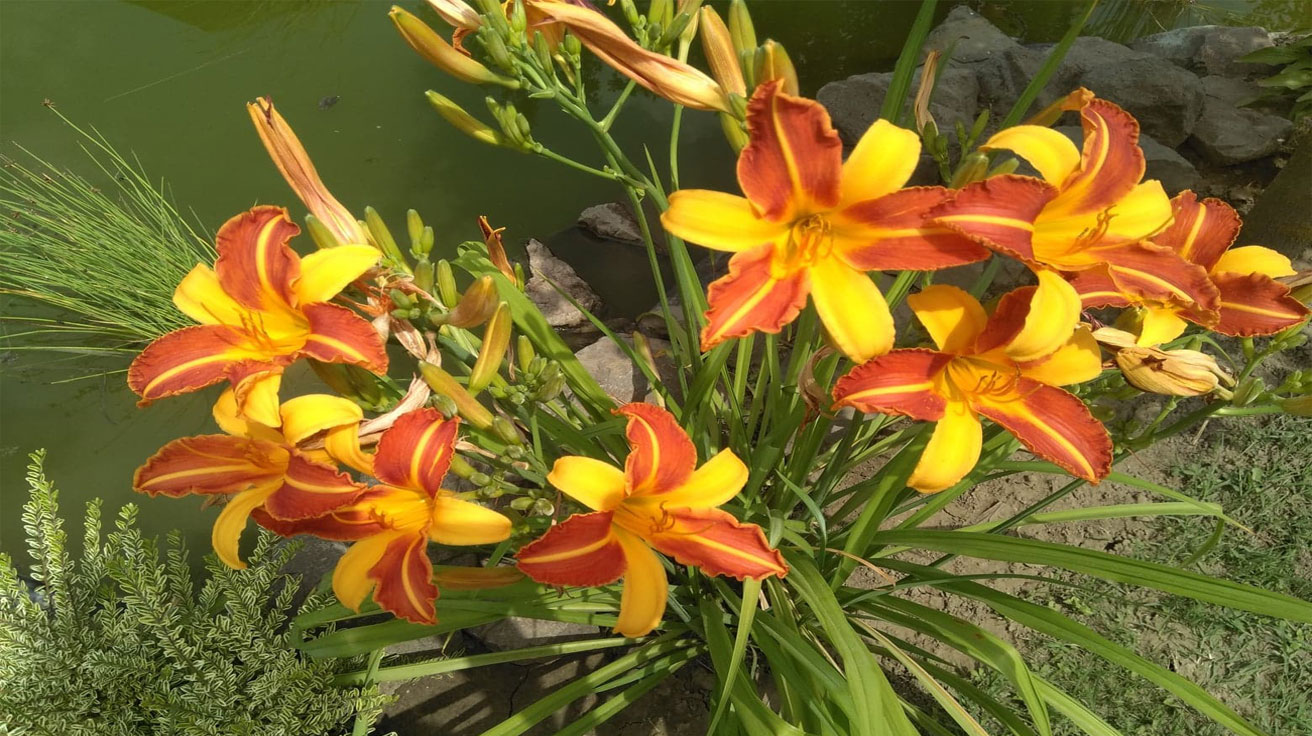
(829, 429)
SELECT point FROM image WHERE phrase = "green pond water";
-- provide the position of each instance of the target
(166, 80)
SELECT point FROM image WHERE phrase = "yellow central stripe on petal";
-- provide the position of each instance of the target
(209, 470)
(785, 148)
(418, 454)
(1060, 439)
(184, 367)
(261, 253)
(731, 551)
(338, 345)
(746, 309)
(655, 454)
(1159, 282)
(416, 602)
(887, 390)
(313, 487)
(1187, 248)
(1238, 307)
(570, 554)
(1025, 225)
(1093, 294)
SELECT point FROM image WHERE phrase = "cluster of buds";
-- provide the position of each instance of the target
(739, 65)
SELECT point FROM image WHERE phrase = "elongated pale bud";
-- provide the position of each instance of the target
(381, 236)
(441, 54)
(496, 341)
(296, 168)
(478, 304)
(505, 431)
(524, 352)
(458, 13)
(920, 106)
(446, 285)
(733, 132)
(496, 250)
(1299, 406)
(462, 120)
(319, 232)
(660, 11)
(741, 29)
(972, 168)
(772, 63)
(720, 53)
(445, 384)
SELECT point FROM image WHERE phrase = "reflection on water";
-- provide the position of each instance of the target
(168, 79)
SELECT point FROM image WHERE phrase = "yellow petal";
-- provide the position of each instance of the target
(642, 602)
(230, 420)
(852, 309)
(461, 523)
(307, 415)
(324, 273)
(342, 444)
(351, 581)
(200, 297)
(1077, 361)
(1254, 259)
(1160, 325)
(257, 398)
(1052, 154)
(952, 317)
(715, 482)
(1053, 316)
(593, 483)
(952, 451)
(718, 221)
(1142, 213)
(226, 534)
(881, 163)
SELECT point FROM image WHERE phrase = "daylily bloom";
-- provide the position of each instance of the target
(971, 375)
(391, 524)
(1089, 211)
(666, 77)
(262, 466)
(812, 224)
(660, 500)
(1249, 301)
(296, 167)
(260, 308)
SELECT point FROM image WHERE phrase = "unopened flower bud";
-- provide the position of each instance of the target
(524, 352)
(720, 53)
(1171, 372)
(1299, 406)
(323, 237)
(496, 340)
(477, 304)
(462, 120)
(772, 63)
(973, 168)
(505, 431)
(443, 384)
(741, 29)
(446, 285)
(441, 54)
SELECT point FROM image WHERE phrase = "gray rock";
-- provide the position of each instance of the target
(617, 374)
(1162, 163)
(1084, 55)
(547, 269)
(517, 633)
(1166, 99)
(1002, 66)
(1227, 135)
(1230, 90)
(612, 220)
(1208, 49)
(854, 103)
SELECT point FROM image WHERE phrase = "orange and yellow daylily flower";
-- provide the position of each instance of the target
(260, 309)
(262, 466)
(1090, 211)
(971, 375)
(660, 74)
(1249, 301)
(392, 523)
(811, 224)
(659, 500)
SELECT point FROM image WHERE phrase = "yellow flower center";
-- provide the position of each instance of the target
(273, 333)
(809, 240)
(403, 510)
(967, 378)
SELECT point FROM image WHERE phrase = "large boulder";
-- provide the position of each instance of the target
(1161, 162)
(1084, 54)
(613, 221)
(1209, 49)
(1001, 65)
(618, 376)
(1166, 99)
(547, 270)
(1227, 134)
(854, 103)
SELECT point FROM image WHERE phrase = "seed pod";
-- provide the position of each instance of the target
(496, 340)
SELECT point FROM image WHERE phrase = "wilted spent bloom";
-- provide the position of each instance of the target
(1169, 372)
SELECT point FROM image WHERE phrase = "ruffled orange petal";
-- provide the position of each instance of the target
(752, 299)
(186, 360)
(346, 524)
(794, 161)
(416, 451)
(1255, 304)
(998, 212)
(1111, 162)
(1148, 272)
(582, 551)
(716, 542)
(892, 233)
(338, 335)
(901, 382)
(310, 489)
(210, 464)
(1054, 425)
(256, 266)
(1201, 231)
(661, 456)
(404, 580)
